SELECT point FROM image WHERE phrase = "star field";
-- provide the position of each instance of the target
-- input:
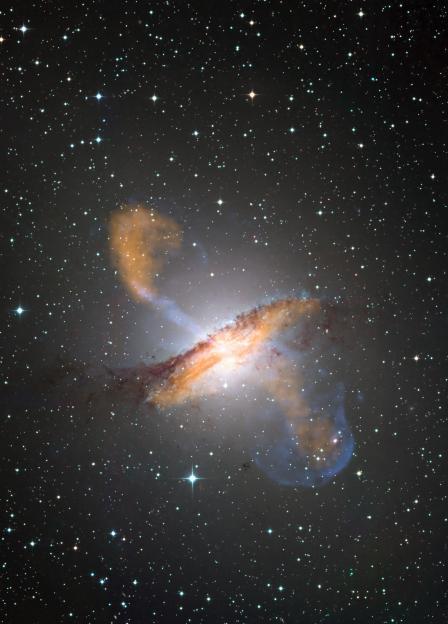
(301, 149)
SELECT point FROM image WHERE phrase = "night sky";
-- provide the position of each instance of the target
(300, 147)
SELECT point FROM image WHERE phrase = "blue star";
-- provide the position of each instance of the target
(192, 478)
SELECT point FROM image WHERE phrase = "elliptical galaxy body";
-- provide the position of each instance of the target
(315, 444)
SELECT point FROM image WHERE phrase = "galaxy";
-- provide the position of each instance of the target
(223, 363)
(316, 440)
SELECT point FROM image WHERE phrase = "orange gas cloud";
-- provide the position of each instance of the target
(139, 239)
(315, 432)
(230, 346)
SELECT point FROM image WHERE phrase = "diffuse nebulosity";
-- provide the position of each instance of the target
(140, 239)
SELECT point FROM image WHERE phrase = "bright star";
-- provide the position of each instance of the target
(98, 139)
(23, 29)
(99, 96)
(252, 94)
(19, 310)
(154, 98)
(192, 478)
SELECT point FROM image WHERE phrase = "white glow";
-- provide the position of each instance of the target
(192, 478)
